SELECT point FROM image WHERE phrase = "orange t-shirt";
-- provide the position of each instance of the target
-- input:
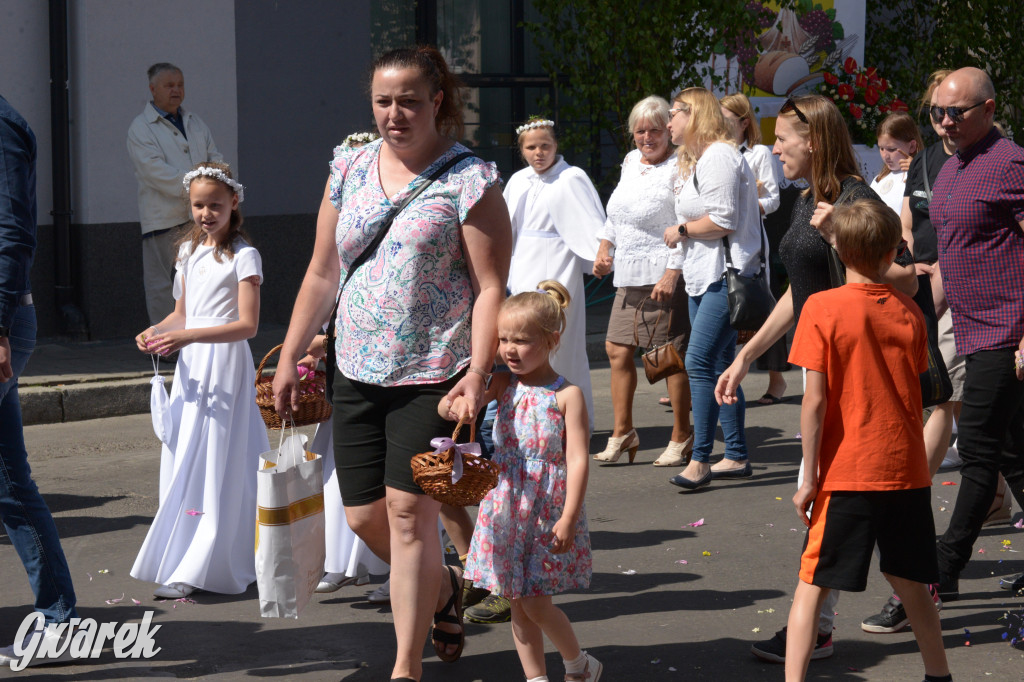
(870, 342)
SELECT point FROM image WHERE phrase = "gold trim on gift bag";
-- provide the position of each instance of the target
(282, 516)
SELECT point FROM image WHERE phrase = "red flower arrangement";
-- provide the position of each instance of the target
(863, 98)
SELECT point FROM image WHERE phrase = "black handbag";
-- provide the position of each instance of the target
(750, 298)
(936, 387)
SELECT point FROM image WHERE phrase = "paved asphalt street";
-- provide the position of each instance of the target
(672, 598)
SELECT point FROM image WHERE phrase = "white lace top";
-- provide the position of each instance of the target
(639, 210)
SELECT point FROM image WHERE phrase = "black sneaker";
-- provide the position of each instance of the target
(493, 609)
(774, 650)
(892, 618)
(1014, 583)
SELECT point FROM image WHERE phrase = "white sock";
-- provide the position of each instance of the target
(578, 665)
(542, 678)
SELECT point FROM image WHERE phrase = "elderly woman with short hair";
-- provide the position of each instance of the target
(647, 278)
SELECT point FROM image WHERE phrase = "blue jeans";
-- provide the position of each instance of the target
(22, 509)
(712, 349)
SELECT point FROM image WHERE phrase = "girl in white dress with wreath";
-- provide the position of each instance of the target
(203, 533)
(556, 214)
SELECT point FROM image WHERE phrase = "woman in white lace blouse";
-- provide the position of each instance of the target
(646, 274)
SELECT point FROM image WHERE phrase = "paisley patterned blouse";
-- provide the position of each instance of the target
(404, 317)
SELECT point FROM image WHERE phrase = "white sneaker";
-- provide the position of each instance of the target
(52, 643)
(332, 582)
(173, 591)
(382, 595)
(952, 459)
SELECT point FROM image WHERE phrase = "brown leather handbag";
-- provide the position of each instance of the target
(662, 361)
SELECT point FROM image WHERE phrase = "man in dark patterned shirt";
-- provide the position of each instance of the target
(978, 212)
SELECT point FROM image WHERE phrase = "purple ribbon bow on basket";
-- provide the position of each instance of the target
(443, 443)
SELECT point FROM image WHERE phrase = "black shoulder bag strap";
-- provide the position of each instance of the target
(725, 240)
(924, 172)
(371, 248)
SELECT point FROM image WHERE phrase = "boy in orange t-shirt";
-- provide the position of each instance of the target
(863, 346)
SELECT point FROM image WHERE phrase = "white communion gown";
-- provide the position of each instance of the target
(203, 534)
(556, 216)
(346, 552)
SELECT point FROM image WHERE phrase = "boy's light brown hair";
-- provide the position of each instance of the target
(866, 230)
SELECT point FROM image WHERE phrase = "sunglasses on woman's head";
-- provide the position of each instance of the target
(788, 106)
(956, 114)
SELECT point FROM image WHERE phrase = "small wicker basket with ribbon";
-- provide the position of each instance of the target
(455, 473)
(313, 405)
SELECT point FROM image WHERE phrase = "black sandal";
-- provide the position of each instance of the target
(441, 638)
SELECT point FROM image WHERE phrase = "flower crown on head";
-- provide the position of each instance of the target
(359, 138)
(216, 174)
(534, 123)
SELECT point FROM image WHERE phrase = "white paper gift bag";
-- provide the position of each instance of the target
(289, 527)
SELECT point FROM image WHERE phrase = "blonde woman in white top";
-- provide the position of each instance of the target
(717, 198)
(632, 245)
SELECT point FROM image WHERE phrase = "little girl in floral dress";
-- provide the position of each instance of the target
(531, 539)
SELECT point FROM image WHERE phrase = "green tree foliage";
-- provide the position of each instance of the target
(908, 39)
(608, 54)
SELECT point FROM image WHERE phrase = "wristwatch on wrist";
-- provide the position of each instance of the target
(682, 229)
(5, 332)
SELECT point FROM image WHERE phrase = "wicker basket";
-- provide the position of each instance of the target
(313, 405)
(432, 471)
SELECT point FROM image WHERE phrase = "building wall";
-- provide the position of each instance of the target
(301, 89)
(279, 84)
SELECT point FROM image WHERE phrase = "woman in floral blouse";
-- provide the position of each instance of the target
(404, 336)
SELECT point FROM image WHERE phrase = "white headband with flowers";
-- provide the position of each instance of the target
(359, 138)
(216, 174)
(537, 123)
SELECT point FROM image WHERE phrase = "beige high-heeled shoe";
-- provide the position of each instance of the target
(676, 454)
(617, 445)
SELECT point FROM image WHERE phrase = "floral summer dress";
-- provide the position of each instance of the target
(509, 554)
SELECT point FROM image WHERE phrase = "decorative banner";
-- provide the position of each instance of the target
(791, 53)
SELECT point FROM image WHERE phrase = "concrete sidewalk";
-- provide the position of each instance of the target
(66, 382)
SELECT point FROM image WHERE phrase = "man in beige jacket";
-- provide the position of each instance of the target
(164, 142)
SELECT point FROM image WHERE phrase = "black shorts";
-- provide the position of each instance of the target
(378, 430)
(846, 525)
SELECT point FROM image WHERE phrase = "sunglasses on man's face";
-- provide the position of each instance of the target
(790, 105)
(956, 114)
